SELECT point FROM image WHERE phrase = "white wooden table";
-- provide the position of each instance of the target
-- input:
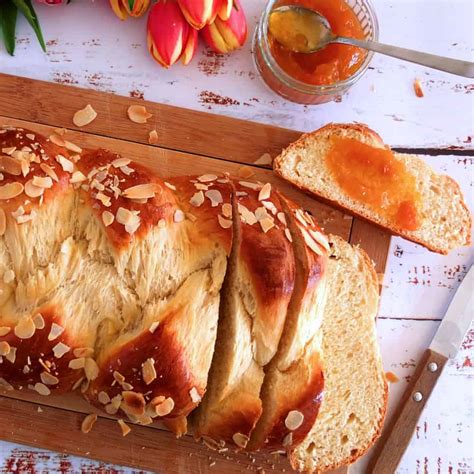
(88, 46)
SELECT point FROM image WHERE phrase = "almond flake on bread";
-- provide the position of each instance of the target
(445, 221)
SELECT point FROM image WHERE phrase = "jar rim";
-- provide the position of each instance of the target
(261, 40)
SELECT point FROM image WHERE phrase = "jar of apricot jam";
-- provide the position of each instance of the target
(324, 75)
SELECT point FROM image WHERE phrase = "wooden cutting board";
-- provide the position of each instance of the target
(189, 142)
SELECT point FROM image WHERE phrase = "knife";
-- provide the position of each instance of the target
(448, 338)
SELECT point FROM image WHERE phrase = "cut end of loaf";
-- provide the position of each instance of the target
(445, 221)
(355, 396)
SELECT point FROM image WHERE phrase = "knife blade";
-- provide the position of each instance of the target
(456, 321)
(389, 450)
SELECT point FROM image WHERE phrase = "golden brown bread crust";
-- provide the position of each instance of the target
(259, 286)
(339, 129)
(362, 450)
(294, 380)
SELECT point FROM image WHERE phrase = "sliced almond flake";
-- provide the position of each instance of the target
(126, 170)
(60, 349)
(56, 331)
(149, 371)
(91, 369)
(42, 389)
(103, 398)
(300, 217)
(153, 137)
(10, 165)
(124, 427)
(215, 197)
(25, 329)
(42, 182)
(154, 326)
(77, 177)
(111, 409)
(140, 201)
(48, 379)
(207, 178)
(161, 223)
(179, 216)
(26, 217)
(240, 440)
(8, 276)
(261, 213)
(119, 162)
(118, 377)
(104, 199)
(194, 394)
(311, 243)
(288, 440)
(57, 140)
(165, 408)
(30, 136)
(10, 190)
(267, 224)
(282, 218)
(38, 321)
(107, 218)
(224, 223)
(88, 422)
(72, 147)
(4, 348)
(33, 191)
(4, 385)
(66, 165)
(49, 171)
(271, 207)
(265, 192)
(197, 199)
(248, 184)
(133, 403)
(60, 131)
(227, 210)
(320, 238)
(201, 187)
(241, 194)
(77, 364)
(140, 191)
(132, 226)
(127, 386)
(247, 216)
(4, 330)
(25, 167)
(11, 356)
(19, 212)
(83, 352)
(265, 159)
(96, 185)
(138, 114)
(170, 186)
(9, 150)
(294, 420)
(3, 222)
(84, 116)
(288, 234)
(245, 172)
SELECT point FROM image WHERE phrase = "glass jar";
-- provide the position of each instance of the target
(295, 90)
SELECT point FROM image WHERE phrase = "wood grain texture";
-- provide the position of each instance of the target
(184, 142)
(178, 128)
(391, 447)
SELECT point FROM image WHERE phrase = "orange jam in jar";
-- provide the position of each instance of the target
(376, 178)
(324, 75)
(332, 64)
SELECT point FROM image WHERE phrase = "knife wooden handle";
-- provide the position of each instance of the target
(397, 434)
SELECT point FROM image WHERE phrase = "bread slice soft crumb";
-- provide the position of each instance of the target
(445, 221)
(355, 393)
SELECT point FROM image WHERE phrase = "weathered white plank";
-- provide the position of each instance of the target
(89, 47)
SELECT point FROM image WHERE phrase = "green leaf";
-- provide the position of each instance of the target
(131, 4)
(28, 11)
(8, 15)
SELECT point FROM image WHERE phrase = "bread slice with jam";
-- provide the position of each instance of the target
(349, 166)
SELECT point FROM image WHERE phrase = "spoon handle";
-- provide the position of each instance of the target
(453, 66)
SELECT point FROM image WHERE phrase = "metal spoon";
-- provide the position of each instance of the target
(315, 33)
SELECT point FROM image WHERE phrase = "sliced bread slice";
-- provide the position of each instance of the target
(255, 297)
(293, 385)
(355, 393)
(444, 221)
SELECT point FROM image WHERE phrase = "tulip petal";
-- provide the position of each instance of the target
(225, 9)
(191, 45)
(198, 13)
(119, 9)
